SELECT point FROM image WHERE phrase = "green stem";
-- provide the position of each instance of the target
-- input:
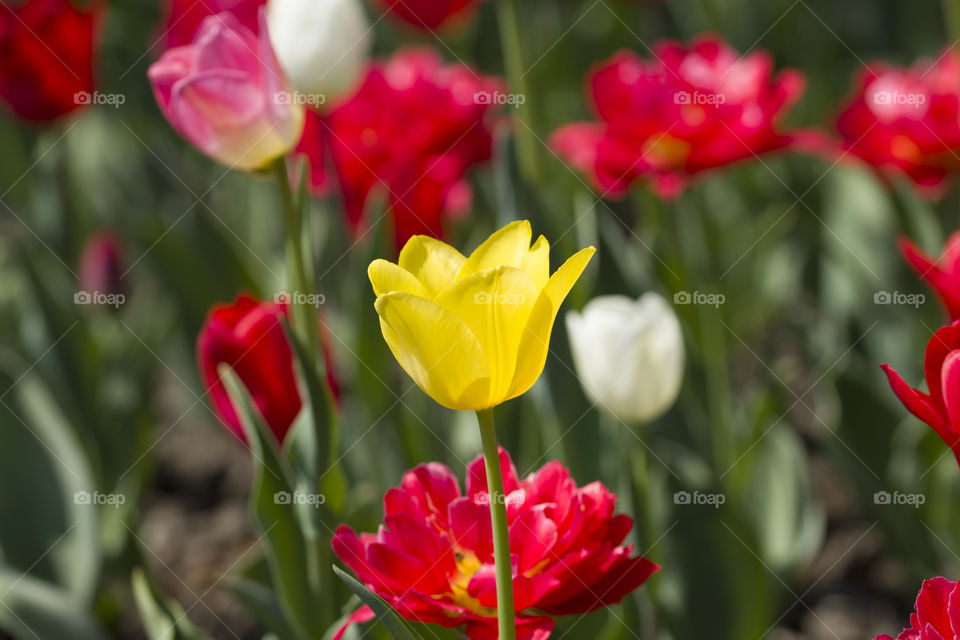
(304, 314)
(501, 536)
(692, 236)
(951, 18)
(511, 39)
(637, 485)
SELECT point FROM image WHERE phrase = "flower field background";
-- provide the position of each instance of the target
(267, 265)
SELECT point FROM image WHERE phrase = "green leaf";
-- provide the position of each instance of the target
(263, 604)
(58, 543)
(313, 434)
(32, 608)
(162, 620)
(387, 616)
(287, 550)
(789, 523)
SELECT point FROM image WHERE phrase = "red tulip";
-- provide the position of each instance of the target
(428, 14)
(937, 615)
(432, 559)
(943, 275)
(184, 17)
(940, 408)
(414, 128)
(691, 109)
(907, 120)
(249, 337)
(46, 49)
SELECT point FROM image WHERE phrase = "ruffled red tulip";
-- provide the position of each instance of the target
(937, 614)
(46, 57)
(940, 408)
(942, 275)
(226, 94)
(432, 559)
(690, 109)
(428, 14)
(184, 17)
(249, 337)
(907, 120)
(412, 130)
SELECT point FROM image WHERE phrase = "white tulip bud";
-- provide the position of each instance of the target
(322, 45)
(629, 355)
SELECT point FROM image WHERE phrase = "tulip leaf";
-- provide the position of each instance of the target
(59, 543)
(262, 602)
(162, 620)
(316, 442)
(32, 608)
(789, 524)
(273, 511)
(397, 626)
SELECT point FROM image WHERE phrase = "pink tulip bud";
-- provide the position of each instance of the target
(101, 268)
(226, 94)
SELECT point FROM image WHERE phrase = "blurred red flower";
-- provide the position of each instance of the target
(432, 559)
(907, 120)
(428, 14)
(940, 408)
(47, 52)
(690, 109)
(942, 274)
(101, 267)
(249, 337)
(184, 17)
(414, 127)
(937, 615)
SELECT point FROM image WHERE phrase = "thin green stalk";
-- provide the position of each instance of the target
(511, 39)
(304, 314)
(637, 482)
(692, 236)
(506, 622)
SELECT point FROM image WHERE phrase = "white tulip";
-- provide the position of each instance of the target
(629, 355)
(322, 45)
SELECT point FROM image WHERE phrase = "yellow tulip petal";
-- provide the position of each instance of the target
(536, 262)
(496, 305)
(436, 349)
(386, 277)
(535, 341)
(506, 247)
(435, 263)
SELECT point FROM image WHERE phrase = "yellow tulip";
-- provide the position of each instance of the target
(473, 332)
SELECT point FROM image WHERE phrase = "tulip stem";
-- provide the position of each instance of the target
(304, 316)
(506, 621)
(511, 41)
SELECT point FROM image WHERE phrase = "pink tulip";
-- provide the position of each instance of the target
(226, 94)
